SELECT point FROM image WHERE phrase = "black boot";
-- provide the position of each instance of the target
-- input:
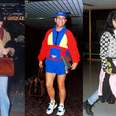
(88, 108)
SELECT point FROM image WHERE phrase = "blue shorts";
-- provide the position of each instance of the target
(56, 67)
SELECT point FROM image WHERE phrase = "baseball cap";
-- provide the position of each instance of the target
(60, 13)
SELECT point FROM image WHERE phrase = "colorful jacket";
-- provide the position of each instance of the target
(67, 43)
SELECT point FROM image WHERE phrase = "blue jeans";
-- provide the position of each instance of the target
(93, 98)
(4, 100)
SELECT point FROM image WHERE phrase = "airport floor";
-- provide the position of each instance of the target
(17, 99)
(90, 84)
(16, 92)
(36, 106)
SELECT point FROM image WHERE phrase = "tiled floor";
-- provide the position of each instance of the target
(90, 84)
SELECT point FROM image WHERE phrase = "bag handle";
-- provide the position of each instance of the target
(7, 56)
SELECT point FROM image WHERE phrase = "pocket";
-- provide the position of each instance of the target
(55, 53)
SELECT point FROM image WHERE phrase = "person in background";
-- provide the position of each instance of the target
(107, 79)
(57, 43)
(4, 38)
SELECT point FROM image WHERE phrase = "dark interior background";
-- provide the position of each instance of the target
(98, 18)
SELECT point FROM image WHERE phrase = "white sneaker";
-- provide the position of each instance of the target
(51, 108)
(61, 110)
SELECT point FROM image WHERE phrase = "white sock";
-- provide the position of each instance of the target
(52, 101)
(61, 104)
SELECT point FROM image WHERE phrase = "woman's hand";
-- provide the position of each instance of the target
(4, 51)
(108, 69)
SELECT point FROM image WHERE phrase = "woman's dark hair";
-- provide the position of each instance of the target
(109, 25)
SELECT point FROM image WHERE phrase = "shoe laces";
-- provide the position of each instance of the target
(51, 105)
(61, 108)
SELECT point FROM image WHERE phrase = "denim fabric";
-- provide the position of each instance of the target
(4, 100)
(93, 98)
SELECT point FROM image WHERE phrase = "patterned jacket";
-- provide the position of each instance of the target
(107, 47)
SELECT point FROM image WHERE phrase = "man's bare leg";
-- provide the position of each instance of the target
(61, 86)
(49, 85)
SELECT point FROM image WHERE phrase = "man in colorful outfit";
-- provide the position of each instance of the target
(57, 43)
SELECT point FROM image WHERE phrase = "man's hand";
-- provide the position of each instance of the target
(40, 64)
(74, 65)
